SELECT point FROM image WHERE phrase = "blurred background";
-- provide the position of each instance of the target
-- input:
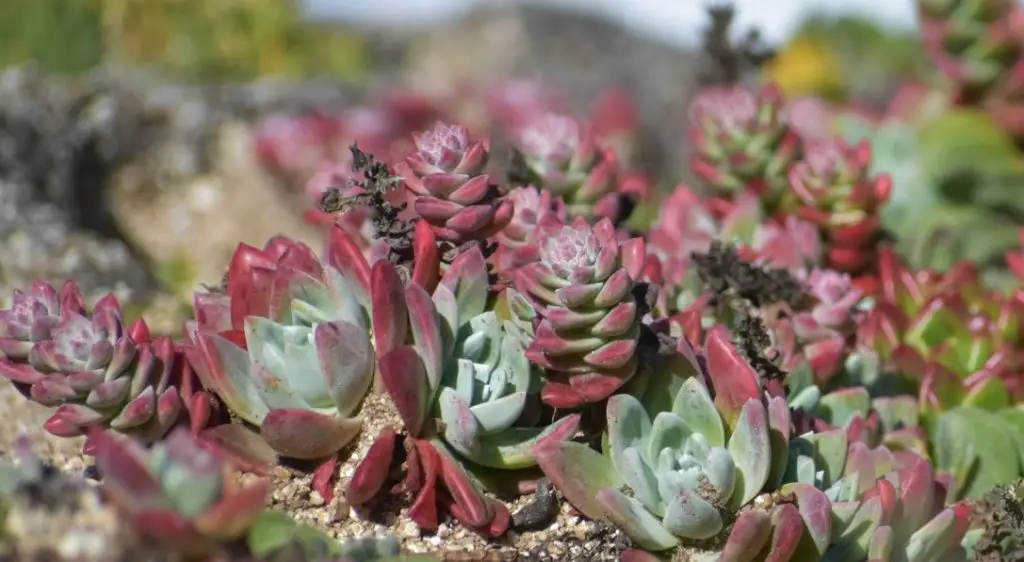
(141, 140)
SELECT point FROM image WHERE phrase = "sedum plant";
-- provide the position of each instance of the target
(95, 370)
(743, 141)
(560, 154)
(582, 285)
(452, 192)
(519, 241)
(837, 193)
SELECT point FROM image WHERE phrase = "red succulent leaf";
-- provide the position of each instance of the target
(475, 508)
(324, 477)
(165, 526)
(426, 270)
(788, 529)
(345, 255)
(424, 511)
(390, 314)
(240, 446)
(305, 434)
(232, 516)
(733, 379)
(405, 379)
(372, 472)
(750, 533)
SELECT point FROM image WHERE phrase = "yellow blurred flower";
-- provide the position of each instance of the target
(806, 66)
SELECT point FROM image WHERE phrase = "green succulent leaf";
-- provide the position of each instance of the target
(978, 463)
(750, 447)
(693, 404)
(629, 514)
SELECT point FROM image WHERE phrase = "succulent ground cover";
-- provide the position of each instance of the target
(753, 371)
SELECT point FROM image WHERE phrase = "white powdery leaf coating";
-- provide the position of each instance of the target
(551, 138)
(825, 157)
(731, 108)
(571, 249)
(829, 286)
(436, 144)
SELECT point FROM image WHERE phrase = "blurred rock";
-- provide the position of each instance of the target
(578, 55)
(64, 143)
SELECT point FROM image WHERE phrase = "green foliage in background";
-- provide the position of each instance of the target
(63, 36)
(202, 40)
(870, 58)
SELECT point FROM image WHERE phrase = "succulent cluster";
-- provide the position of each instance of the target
(757, 370)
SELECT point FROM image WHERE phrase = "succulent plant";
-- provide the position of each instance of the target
(743, 141)
(820, 335)
(447, 355)
(957, 338)
(890, 421)
(287, 347)
(452, 193)
(707, 454)
(837, 193)
(973, 42)
(563, 156)
(518, 242)
(582, 284)
(177, 493)
(96, 371)
(901, 518)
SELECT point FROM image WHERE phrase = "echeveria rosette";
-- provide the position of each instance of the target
(582, 285)
(901, 517)
(892, 421)
(453, 194)
(743, 141)
(708, 453)
(177, 493)
(460, 382)
(300, 370)
(93, 369)
(832, 187)
(518, 241)
(563, 156)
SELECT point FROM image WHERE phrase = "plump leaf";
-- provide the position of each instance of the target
(629, 514)
(579, 472)
(978, 464)
(694, 405)
(750, 448)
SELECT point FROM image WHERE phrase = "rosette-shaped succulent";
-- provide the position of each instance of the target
(177, 493)
(976, 43)
(95, 370)
(892, 421)
(460, 382)
(820, 335)
(561, 155)
(295, 359)
(900, 517)
(707, 453)
(743, 141)
(518, 242)
(835, 191)
(583, 283)
(453, 194)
